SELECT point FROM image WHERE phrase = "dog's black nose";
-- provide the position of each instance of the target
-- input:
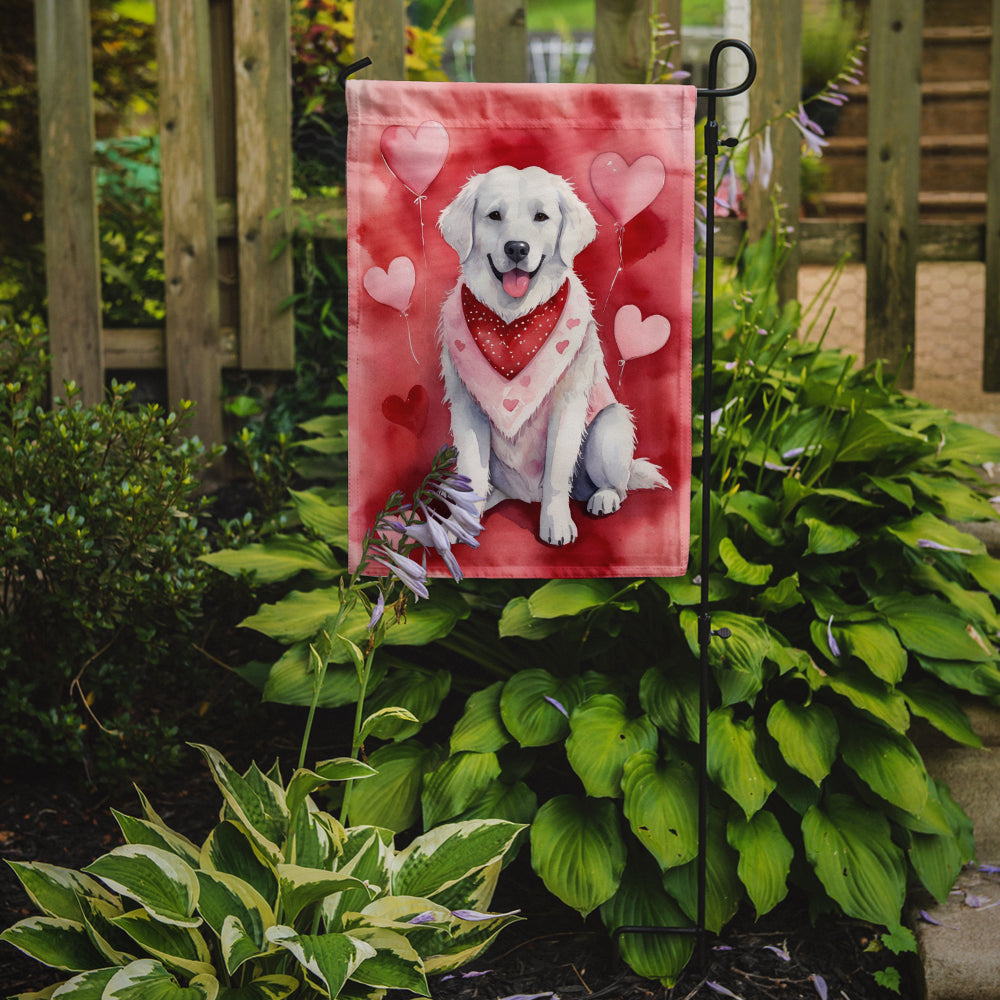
(516, 250)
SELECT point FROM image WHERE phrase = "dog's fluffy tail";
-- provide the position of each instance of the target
(644, 475)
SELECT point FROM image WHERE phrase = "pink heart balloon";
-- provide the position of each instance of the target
(415, 158)
(636, 337)
(393, 286)
(625, 190)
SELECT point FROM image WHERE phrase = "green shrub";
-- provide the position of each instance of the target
(99, 542)
(279, 900)
(854, 604)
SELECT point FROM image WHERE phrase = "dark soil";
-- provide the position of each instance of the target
(551, 951)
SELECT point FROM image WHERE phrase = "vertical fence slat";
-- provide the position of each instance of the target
(501, 41)
(190, 253)
(776, 34)
(991, 333)
(893, 183)
(72, 256)
(261, 57)
(621, 40)
(380, 34)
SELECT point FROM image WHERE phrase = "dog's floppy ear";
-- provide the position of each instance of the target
(455, 222)
(578, 226)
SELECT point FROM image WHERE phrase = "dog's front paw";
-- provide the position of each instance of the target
(604, 502)
(557, 529)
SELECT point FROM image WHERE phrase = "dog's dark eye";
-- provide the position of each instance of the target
(494, 215)
(540, 217)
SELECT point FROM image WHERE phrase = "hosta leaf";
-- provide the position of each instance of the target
(783, 595)
(159, 881)
(98, 916)
(456, 784)
(976, 605)
(602, 738)
(870, 435)
(828, 539)
(87, 986)
(391, 798)
(441, 857)
(56, 891)
(738, 661)
(671, 700)
(466, 941)
(661, 799)
(739, 569)
(876, 646)
(957, 501)
(225, 897)
(330, 959)
(684, 592)
(141, 831)
(888, 763)
(937, 859)
(395, 964)
(260, 809)
(367, 853)
(147, 979)
(274, 987)
(230, 849)
(291, 680)
(765, 858)
(388, 723)
(732, 760)
(723, 889)
(516, 803)
(279, 558)
(578, 851)
(530, 706)
(517, 620)
(928, 528)
(641, 901)
(866, 692)
(481, 727)
(976, 678)
(559, 598)
(180, 948)
(327, 520)
(304, 782)
(850, 848)
(807, 736)
(941, 709)
(54, 941)
(965, 443)
(415, 689)
(301, 887)
(985, 569)
(931, 628)
(758, 511)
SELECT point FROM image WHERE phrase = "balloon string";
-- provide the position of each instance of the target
(419, 200)
(621, 233)
(409, 336)
(621, 371)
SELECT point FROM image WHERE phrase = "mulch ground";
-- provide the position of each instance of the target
(551, 952)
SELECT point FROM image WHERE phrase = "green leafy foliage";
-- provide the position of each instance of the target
(99, 547)
(279, 899)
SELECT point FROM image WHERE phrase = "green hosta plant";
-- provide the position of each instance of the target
(279, 900)
(855, 605)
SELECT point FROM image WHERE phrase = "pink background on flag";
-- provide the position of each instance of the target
(397, 415)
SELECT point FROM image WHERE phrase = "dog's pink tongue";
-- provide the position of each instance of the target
(516, 281)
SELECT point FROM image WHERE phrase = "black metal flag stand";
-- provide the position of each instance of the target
(705, 631)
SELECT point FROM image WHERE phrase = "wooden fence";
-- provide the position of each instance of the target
(226, 161)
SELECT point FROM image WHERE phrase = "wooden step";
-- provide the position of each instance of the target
(947, 162)
(957, 206)
(956, 53)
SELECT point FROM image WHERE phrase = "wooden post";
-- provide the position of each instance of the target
(72, 255)
(991, 333)
(501, 41)
(190, 254)
(776, 35)
(380, 34)
(262, 61)
(622, 40)
(893, 184)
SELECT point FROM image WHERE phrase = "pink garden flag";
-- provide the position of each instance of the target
(520, 273)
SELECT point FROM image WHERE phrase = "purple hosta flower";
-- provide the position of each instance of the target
(927, 543)
(411, 574)
(820, 984)
(558, 705)
(834, 648)
(990, 869)
(761, 163)
(465, 975)
(475, 915)
(729, 201)
(780, 952)
(531, 996)
(427, 917)
(812, 134)
(927, 918)
(719, 988)
(461, 503)
(377, 612)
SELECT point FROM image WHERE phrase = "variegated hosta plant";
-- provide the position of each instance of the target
(279, 900)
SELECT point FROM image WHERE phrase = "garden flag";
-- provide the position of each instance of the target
(520, 274)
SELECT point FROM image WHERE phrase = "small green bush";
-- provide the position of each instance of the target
(99, 578)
